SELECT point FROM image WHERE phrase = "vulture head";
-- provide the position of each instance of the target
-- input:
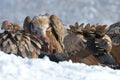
(39, 25)
(8, 26)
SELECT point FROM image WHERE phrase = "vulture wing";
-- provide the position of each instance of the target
(57, 28)
(20, 43)
(114, 33)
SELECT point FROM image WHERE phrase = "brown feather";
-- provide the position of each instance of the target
(58, 28)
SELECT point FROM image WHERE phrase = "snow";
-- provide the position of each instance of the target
(17, 68)
(69, 11)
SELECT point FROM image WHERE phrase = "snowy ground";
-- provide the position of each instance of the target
(69, 11)
(16, 68)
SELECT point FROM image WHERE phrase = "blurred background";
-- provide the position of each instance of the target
(69, 11)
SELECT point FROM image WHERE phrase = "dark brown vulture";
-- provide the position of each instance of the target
(17, 41)
(114, 33)
(78, 44)
(104, 46)
(46, 27)
(92, 39)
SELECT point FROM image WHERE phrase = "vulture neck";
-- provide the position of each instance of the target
(45, 37)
